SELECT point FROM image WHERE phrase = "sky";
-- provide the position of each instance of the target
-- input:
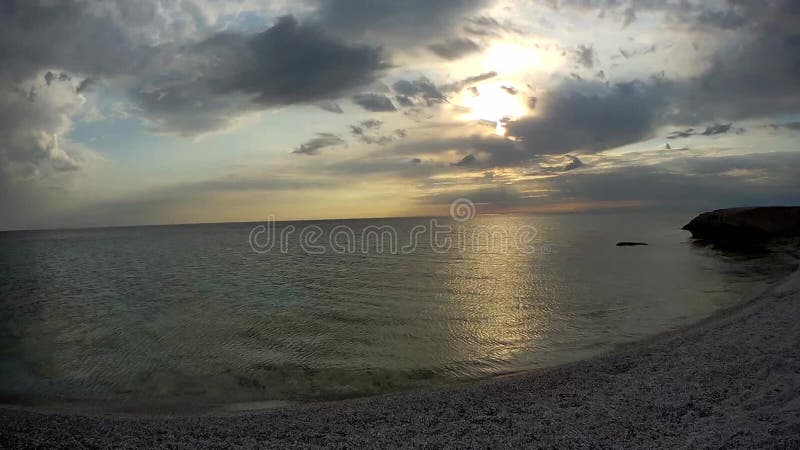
(115, 112)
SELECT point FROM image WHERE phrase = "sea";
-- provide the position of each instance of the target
(236, 316)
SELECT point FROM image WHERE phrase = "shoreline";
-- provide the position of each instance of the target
(732, 379)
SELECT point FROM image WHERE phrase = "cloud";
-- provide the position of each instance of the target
(319, 142)
(34, 118)
(404, 100)
(592, 117)
(754, 179)
(585, 56)
(466, 161)
(710, 130)
(178, 70)
(727, 20)
(510, 90)
(792, 126)
(71, 35)
(395, 23)
(374, 102)
(424, 90)
(573, 163)
(681, 133)
(708, 182)
(227, 75)
(628, 16)
(361, 127)
(754, 77)
(556, 164)
(421, 88)
(330, 107)
(461, 84)
(368, 132)
(454, 48)
(628, 54)
(486, 26)
(486, 151)
(717, 129)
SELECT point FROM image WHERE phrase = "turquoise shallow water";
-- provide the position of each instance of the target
(188, 317)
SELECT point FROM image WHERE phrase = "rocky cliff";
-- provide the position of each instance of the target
(746, 225)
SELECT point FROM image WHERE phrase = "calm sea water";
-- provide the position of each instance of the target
(191, 317)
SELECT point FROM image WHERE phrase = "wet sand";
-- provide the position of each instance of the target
(731, 381)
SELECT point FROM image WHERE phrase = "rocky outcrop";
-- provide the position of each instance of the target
(746, 226)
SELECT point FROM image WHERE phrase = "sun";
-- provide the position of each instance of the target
(509, 58)
(496, 102)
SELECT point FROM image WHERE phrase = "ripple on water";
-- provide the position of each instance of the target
(184, 316)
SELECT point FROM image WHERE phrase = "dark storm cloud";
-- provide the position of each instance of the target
(71, 35)
(395, 22)
(454, 48)
(374, 102)
(756, 79)
(594, 118)
(319, 142)
(268, 66)
(288, 63)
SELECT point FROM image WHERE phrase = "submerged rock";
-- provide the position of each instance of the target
(745, 227)
(630, 244)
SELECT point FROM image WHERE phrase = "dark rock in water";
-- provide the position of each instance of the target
(746, 227)
(630, 244)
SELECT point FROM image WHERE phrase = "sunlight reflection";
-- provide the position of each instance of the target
(491, 289)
